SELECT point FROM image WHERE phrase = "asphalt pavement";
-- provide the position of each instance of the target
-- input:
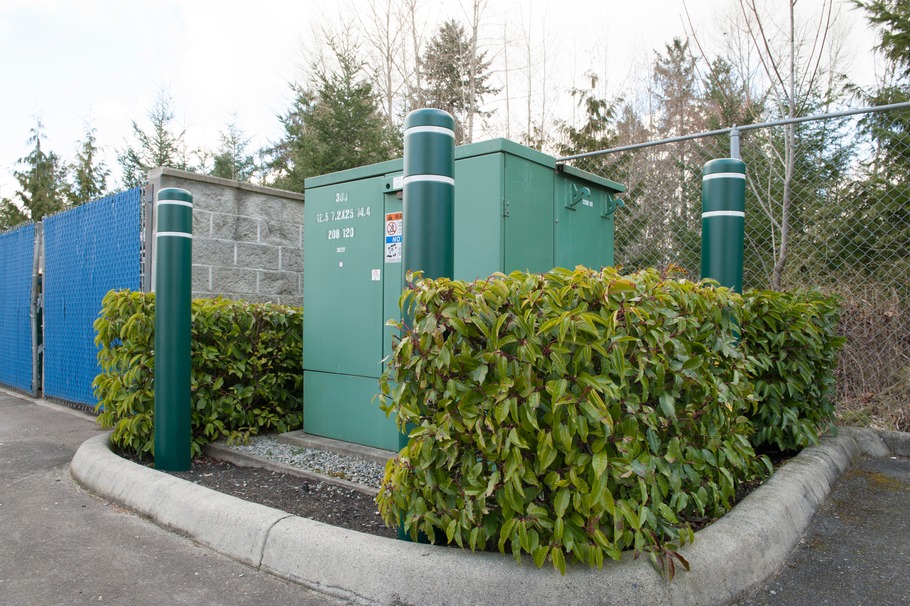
(856, 552)
(61, 545)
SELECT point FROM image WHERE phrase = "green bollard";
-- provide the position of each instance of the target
(723, 220)
(173, 280)
(428, 204)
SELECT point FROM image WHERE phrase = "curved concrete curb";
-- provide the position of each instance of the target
(228, 525)
(728, 558)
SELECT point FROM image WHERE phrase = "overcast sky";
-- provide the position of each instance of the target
(104, 61)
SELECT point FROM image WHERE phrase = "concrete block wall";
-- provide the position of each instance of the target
(247, 239)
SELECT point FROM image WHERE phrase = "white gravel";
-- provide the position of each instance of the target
(353, 469)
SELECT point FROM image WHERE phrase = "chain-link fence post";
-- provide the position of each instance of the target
(35, 311)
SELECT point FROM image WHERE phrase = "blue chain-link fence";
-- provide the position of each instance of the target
(88, 251)
(17, 254)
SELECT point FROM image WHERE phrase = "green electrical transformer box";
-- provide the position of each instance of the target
(515, 209)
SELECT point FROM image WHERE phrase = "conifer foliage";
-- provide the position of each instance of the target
(334, 124)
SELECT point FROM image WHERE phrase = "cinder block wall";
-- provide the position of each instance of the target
(247, 239)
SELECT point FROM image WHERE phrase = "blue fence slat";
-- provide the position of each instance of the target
(17, 254)
(88, 251)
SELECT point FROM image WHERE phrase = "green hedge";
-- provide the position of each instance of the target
(569, 415)
(792, 343)
(246, 373)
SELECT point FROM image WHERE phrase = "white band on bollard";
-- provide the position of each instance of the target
(175, 203)
(428, 178)
(723, 213)
(724, 176)
(175, 234)
(439, 130)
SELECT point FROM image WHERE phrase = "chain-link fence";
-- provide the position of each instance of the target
(17, 253)
(827, 206)
(89, 250)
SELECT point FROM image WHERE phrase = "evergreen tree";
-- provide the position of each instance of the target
(43, 180)
(161, 145)
(610, 123)
(875, 235)
(232, 160)
(677, 94)
(334, 124)
(640, 241)
(891, 130)
(598, 131)
(89, 172)
(680, 111)
(893, 19)
(10, 215)
(456, 76)
(728, 98)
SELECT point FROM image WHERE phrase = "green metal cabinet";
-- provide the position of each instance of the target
(515, 209)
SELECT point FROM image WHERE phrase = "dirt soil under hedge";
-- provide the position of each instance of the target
(326, 502)
(320, 501)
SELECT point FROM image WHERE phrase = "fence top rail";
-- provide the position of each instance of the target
(726, 131)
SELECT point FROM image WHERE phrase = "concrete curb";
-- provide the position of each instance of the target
(898, 442)
(728, 559)
(228, 525)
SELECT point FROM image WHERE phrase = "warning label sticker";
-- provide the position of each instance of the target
(393, 238)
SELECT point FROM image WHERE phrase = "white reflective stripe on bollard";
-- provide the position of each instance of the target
(439, 130)
(724, 176)
(428, 178)
(723, 213)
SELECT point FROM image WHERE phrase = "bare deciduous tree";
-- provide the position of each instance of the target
(791, 55)
(384, 33)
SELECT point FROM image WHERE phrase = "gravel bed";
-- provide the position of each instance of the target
(354, 469)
